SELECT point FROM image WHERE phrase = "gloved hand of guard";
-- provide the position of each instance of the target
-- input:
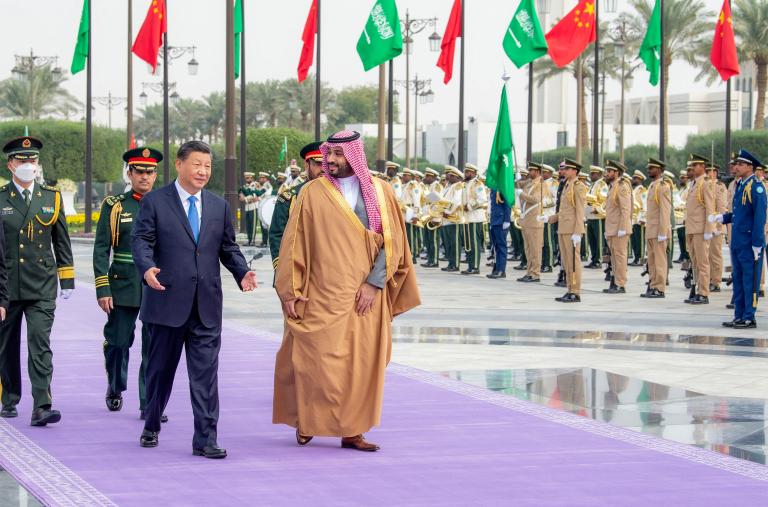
(576, 238)
(661, 238)
(717, 217)
(756, 250)
(541, 218)
(707, 236)
(621, 234)
(66, 293)
(505, 225)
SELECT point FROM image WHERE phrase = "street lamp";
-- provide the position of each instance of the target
(417, 86)
(176, 52)
(158, 89)
(410, 27)
(109, 102)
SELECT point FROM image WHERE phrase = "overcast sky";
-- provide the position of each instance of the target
(273, 44)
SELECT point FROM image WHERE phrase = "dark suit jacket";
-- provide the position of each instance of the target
(162, 238)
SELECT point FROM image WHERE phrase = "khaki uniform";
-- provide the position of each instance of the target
(699, 205)
(716, 243)
(658, 224)
(618, 217)
(570, 220)
(533, 230)
(475, 199)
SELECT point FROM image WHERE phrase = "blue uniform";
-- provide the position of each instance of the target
(500, 215)
(747, 231)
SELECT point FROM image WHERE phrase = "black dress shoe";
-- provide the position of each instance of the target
(163, 418)
(698, 299)
(520, 267)
(559, 284)
(592, 265)
(148, 438)
(471, 272)
(9, 412)
(678, 260)
(653, 294)
(497, 274)
(210, 452)
(714, 288)
(615, 290)
(731, 323)
(730, 306)
(569, 297)
(449, 270)
(430, 265)
(546, 269)
(745, 324)
(761, 293)
(114, 402)
(44, 416)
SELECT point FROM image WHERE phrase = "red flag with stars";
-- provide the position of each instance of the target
(453, 31)
(571, 36)
(723, 54)
(308, 37)
(150, 37)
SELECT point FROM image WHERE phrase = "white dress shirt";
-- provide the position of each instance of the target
(21, 189)
(350, 187)
(184, 196)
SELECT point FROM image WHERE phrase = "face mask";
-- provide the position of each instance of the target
(26, 172)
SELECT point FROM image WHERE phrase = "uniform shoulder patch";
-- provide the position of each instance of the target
(111, 200)
(759, 189)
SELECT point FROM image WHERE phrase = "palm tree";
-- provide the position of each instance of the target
(37, 94)
(214, 106)
(750, 18)
(687, 24)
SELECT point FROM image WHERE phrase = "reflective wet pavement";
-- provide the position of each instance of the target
(733, 426)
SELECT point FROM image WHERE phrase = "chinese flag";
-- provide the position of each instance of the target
(150, 37)
(448, 46)
(723, 55)
(571, 36)
(308, 50)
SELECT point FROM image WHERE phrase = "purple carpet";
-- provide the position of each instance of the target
(444, 443)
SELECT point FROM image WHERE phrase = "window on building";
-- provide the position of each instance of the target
(562, 138)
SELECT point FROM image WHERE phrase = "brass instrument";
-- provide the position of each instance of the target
(436, 210)
(516, 218)
(598, 207)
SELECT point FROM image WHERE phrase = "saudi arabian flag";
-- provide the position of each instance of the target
(381, 39)
(524, 40)
(238, 31)
(501, 167)
(284, 150)
(650, 49)
(81, 49)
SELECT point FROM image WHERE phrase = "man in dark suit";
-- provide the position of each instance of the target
(181, 234)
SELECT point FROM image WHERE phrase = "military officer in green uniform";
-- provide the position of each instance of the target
(38, 254)
(118, 286)
(313, 165)
(248, 197)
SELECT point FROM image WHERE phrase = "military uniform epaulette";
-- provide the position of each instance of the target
(285, 196)
(111, 200)
(48, 187)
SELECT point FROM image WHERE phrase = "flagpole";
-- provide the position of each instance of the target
(317, 76)
(461, 91)
(88, 133)
(381, 148)
(243, 131)
(727, 117)
(391, 111)
(529, 140)
(129, 93)
(596, 90)
(230, 161)
(662, 84)
(166, 115)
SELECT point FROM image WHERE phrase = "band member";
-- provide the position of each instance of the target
(618, 222)
(570, 220)
(658, 229)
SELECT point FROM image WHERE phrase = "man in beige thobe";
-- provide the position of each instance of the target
(698, 230)
(618, 223)
(658, 229)
(345, 272)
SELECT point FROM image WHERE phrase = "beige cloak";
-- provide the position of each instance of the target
(329, 372)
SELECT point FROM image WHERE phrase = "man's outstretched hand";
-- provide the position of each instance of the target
(150, 276)
(249, 282)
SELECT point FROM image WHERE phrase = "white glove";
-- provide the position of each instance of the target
(661, 238)
(541, 218)
(621, 234)
(756, 250)
(716, 233)
(66, 293)
(505, 226)
(576, 238)
(717, 217)
(707, 236)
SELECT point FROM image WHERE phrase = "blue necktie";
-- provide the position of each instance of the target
(193, 217)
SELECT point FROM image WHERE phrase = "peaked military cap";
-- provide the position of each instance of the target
(548, 169)
(570, 164)
(654, 162)
(143, 156)
(638, 174)
(615, 165)
(392, 165)
(596, 169)
(698, 159)
(263, 174)
(748, 158)
(418, 173)
(311, 151)
(23, 148)
(249, 173)
(533, 166)
(449, 169)
(470, 167)
(431, 171)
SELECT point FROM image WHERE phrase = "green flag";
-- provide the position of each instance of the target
(238, 31)
(81, 49)
(501, 168)
(524, 41)
(284, 150)
(381, 39)
(650, 49)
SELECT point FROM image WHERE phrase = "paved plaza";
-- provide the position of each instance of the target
(659, 369)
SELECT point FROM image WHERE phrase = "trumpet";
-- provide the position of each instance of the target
(430, 219)
(516, 218)
(598, 207)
